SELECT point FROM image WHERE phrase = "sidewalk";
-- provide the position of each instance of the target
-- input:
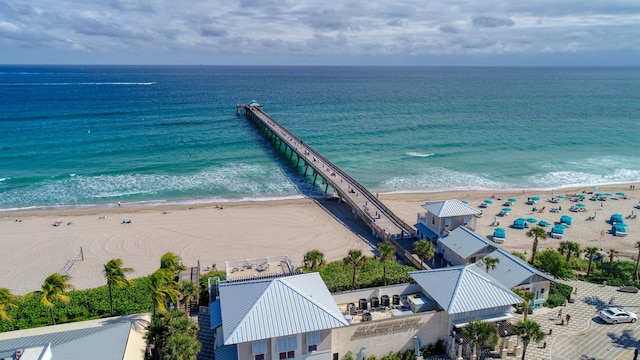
(589, 300)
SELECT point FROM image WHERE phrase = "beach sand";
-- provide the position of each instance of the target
(33, 248)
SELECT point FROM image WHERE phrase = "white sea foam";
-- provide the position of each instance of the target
(231, 181)
(437, 179)
(418, 154)
(3, 179)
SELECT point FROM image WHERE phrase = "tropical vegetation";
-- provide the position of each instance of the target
(529, 331)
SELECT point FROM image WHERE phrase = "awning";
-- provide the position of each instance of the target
(426, 231)
(215, 315)
(490, 318)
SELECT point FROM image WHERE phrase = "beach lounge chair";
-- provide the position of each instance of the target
(565, 220)
(499, 235)
(519, 224)
(619, 230)
(557, 232)
(615, 218)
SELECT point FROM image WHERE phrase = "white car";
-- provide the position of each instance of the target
(614, 315)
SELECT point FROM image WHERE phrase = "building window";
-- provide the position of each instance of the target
(259, 349)
(288, 355)
(287, 346)
(313, 340)
(433, 220)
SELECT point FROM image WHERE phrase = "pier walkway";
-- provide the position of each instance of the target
(382, 221)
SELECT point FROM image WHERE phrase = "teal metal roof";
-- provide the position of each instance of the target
(262, 309)
(459, 289)
(215, 315)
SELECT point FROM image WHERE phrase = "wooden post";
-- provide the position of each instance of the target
(81, 254)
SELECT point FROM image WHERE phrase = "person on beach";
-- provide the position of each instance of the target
(568, 317)
(560, 314)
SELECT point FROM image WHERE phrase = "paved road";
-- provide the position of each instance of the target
(587, 337)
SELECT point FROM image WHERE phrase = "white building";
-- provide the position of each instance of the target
(444, 216)
(295, 316)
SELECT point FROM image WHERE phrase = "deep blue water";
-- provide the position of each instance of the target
(94, 135)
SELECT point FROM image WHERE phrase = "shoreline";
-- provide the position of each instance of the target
(200, 202)
(215, 232)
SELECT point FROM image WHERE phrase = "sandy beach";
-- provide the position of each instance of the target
(33, 248)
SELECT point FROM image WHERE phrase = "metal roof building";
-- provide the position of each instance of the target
(512, 271)
(462, 244)
(459, 290)
(450, 208)
(262, 309)
(103, 339)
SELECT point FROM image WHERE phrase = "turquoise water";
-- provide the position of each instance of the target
(85, 136)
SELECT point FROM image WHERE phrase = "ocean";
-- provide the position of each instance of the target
(87, 136)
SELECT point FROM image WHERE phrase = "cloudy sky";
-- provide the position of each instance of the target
(314, 32)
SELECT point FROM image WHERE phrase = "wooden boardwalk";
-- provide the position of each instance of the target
(382, 221)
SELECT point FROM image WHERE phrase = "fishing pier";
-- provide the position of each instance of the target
(383, 223)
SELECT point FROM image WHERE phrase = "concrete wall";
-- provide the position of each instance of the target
(396, 334)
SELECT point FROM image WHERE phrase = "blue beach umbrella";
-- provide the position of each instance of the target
(608, 194)
(543, 223)
(581, 196)
(507, 209)
(488, 201)
(620, 193)
(464, 201)
(532, 220)
(512, 199)
(580, 205)
(535, 198)
(562, 196)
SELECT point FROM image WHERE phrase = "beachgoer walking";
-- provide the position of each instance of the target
(560, 314)
(635, 354)
(568, 317)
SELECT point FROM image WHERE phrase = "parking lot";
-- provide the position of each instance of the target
(587, 336)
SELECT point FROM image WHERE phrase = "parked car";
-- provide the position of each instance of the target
(614, 315)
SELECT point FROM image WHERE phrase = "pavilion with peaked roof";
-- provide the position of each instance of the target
(444, 216)
(466, 295)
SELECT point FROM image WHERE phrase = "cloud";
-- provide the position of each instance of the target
(491, 22)
(300, 31)
(450, 29)
(212, 31)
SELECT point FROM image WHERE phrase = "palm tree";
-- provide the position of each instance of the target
(387, 253)
(479, 332)
(490, 263)
(635, 271)
(590, 252)
(171, 262)
(181, 347)
(536, 233)
(355, 259)
(314, 260)
(528, 297)
(54, 288)
(155, 335)
(116, 276)
(424, 250)
(162, 289)
(529, 331)
(7, 300)
(564, 249)
(188, 290)
(612, 253)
